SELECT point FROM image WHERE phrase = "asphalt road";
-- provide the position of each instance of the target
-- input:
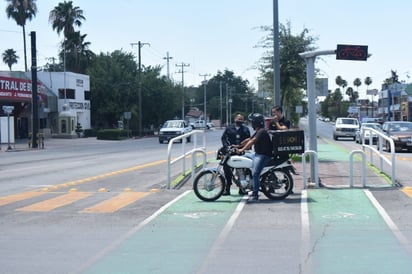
(90, 206)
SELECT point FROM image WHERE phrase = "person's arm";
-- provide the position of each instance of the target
(278, 125)
(247, 144)
(224, 139)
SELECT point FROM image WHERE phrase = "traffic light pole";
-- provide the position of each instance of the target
(310, 58)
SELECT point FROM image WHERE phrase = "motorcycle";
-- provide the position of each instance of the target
(276, 181)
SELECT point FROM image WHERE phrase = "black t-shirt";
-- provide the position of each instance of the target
(263, 144)
(282, 122)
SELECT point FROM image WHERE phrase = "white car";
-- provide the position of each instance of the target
(200, 124)
(367, 133)
(172, 129)
(345, 127)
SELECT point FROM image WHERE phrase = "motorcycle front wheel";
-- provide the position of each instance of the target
(208, 185)
(277, 184)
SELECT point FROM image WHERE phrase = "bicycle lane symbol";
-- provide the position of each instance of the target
(346, 215)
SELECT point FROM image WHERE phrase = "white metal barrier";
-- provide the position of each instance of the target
(314, 158)
(195, 149)
(378, 151)
(353, 152)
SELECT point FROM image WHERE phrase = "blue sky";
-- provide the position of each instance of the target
(216, 35)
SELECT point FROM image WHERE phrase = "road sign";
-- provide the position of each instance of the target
(8, 109)
(352, 52)
(127, 115)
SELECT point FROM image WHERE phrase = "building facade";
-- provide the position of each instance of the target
(395, 102)
(63, 101)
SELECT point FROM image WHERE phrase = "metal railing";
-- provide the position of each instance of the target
(314, 173)
(381, 138)
(185, 152)
(351, 155)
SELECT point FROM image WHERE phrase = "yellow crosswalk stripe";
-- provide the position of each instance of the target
(56, 202)
(407, 191)
(19, 197)
(116, 203)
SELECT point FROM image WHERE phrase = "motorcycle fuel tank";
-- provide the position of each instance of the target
(240, 162)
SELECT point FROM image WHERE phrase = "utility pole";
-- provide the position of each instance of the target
(204, 82)
(139, 79)
(167, 58)
(182, 71)
(35, 109)
(220, 90)
(276, 58)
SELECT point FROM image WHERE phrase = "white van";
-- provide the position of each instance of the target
(345, 127)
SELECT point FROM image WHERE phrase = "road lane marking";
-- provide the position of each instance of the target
(115, 244)
(116, 203)
(19, 197)
(106, 175)
(56, 202)
(408, 191)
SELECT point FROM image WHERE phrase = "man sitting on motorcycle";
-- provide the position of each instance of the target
(263, 151)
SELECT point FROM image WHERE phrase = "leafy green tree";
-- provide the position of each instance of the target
(21, 11)
(225, 83)
(394, 79)
(114, 85)
(10, 57)
(292, 66)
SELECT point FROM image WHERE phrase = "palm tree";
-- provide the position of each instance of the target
(367, 82)
(64, 17)
(10, 57)
(357, 83)
(20, 11)
(78, 53)
(341, 82)
(350, 93)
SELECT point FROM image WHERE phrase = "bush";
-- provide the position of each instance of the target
(112, 134)
(90, 132)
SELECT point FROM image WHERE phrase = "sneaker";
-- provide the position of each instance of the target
(226, 193)
(253, 199)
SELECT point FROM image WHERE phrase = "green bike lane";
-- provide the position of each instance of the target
(347, 230)
(343, 231)
(176, 240)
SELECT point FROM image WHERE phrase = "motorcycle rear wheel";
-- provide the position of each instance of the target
(208, 185)
(277, 184)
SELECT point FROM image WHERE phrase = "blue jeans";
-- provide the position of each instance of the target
(259, 162)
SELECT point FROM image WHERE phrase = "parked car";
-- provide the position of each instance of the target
(401, 134)
(345, 127)
(200, 124)
(172, 129)
(366, 133)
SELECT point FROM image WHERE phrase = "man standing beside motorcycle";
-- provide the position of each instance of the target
(233, 136)
(263, 151)
(279, 122)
